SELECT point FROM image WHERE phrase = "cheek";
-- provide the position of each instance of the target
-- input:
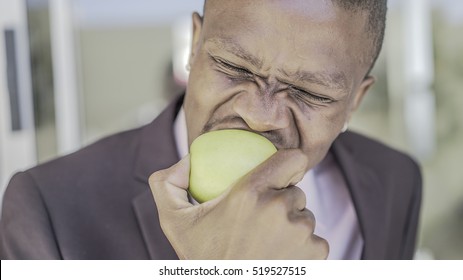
(206, 93)
(318, 132)
(206, 87)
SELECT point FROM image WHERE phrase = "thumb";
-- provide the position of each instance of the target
(284, 168)
(169, 186)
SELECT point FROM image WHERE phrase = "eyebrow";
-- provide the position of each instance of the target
(232, 47)
(335, 80)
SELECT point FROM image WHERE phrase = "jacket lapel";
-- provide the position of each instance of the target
(368, 196)
(158, 245)
(156, 151)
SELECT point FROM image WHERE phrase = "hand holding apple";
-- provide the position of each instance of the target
(262, 216)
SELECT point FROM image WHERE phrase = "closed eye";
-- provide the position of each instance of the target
(305, 96)
(301, 94)
(231, 67)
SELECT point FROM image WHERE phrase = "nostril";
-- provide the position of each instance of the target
(260, 113)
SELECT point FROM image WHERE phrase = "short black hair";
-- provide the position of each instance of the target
(376, 25)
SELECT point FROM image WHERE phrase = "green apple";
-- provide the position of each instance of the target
(219, 158)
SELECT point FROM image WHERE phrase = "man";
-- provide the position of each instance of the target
(293, 71)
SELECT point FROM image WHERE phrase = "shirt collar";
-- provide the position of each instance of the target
(181, 134)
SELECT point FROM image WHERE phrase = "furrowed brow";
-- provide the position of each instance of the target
(335, 80)
(234, 48)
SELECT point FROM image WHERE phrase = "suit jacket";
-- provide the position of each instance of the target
(97, 204)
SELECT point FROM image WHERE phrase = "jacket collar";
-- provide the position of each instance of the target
(156, 151)
(368, 196)
(157, 148)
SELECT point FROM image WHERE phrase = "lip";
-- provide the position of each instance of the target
(220, 127)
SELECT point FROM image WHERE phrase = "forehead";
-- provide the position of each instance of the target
(291, 34)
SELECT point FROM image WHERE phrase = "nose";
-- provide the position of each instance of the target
(262, 112)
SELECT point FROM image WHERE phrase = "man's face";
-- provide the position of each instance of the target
(292, 71)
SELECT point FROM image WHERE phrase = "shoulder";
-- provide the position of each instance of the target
(96, 166)
(371, 150)
(375, 153)
(103, 154)
(110, 161)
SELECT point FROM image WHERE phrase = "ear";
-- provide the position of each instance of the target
(362, 90)
(195, 42)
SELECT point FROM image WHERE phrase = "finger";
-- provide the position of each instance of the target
(295, 197)
(292, 197)
(294, 201)
(304, 218)
(321, 247)
(169, 186)
(284, 168)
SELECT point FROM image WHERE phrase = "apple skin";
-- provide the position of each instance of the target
(219, 158)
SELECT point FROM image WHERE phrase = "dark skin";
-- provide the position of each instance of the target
(292, 71)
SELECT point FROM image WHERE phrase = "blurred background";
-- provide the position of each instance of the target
(73, 71)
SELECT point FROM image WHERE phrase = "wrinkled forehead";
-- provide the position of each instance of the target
(295, 33)
(300, 17)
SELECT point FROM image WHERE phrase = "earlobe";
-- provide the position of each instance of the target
(197, 27)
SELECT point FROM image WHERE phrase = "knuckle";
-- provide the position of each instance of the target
(157, 176)
(307, 220)
(255, 184)
(298, 197)
(297, 156)
(304, 221)
(322, 245)
(298, 176)
(291, 200)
